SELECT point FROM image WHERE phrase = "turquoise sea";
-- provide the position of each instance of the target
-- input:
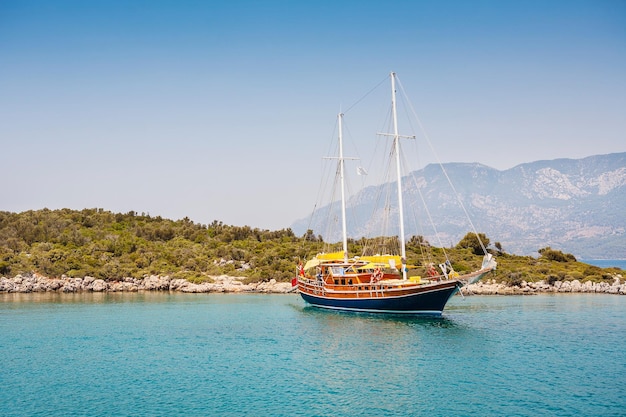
(158, 354)
(606, 263)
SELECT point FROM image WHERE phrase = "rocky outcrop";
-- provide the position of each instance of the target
(491, 287)
(223, 283)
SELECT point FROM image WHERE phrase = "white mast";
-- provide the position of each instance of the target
(341, 159)
(396, 144)
(343, 190)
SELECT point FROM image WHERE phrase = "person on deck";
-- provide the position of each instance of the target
(431, 272)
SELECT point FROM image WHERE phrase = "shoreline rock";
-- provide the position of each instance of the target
(28, 283)
(221, 284)
(491, 287)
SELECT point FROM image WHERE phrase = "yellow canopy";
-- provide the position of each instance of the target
(320, 258)
(323, 257)
(383, 259)
(311, 264)
(332, 256)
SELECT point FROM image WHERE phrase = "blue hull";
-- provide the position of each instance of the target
(427, 302)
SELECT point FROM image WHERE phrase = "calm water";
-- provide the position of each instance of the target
(606, 263)
(231, 355)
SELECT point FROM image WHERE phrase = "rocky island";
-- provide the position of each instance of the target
(94, 250)
(28, 283)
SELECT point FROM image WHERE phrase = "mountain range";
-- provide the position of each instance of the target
(574, 205)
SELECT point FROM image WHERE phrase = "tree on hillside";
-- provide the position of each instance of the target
(473, 242)
(556, 255)
(310, 237)
(417, 241)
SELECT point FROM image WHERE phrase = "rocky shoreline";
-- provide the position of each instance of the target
(491, 287)
(29, 283)
(37, 283)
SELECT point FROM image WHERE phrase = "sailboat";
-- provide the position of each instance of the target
(380, 283)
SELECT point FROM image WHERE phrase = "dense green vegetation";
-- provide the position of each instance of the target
(111, 246)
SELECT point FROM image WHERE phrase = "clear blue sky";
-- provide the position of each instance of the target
(223, 110)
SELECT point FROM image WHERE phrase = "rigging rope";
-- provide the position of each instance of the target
(366, 94)
(410, 105)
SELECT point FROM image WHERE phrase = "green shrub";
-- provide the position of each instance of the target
(556, 255)
(576, 275)
(552, 279)
(475, 242)
(5, 267)
(193, 277)
(514, 279)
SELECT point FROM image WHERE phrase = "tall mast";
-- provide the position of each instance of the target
(341, 159)
(396, 144)
(343, 189)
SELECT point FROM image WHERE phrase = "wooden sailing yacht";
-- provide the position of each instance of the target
(379, 283)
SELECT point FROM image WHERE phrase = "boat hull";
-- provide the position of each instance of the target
(429, 300)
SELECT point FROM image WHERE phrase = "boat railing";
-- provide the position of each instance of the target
(314, 285)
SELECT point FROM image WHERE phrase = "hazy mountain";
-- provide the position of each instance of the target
(578, 206)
